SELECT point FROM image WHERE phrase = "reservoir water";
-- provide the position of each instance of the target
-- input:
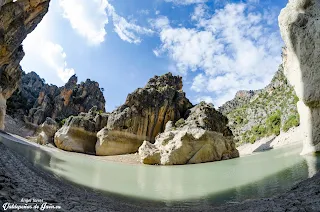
(256, 176)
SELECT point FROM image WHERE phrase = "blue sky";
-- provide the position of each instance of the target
(219, 47)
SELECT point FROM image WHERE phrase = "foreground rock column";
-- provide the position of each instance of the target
(300, 29)
(17, 20)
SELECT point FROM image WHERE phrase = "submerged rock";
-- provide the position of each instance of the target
(300, 30)
(202, 137)
(17, 20)
(144, 114)
(79, 133)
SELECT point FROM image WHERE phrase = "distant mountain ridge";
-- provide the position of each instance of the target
(35, 100)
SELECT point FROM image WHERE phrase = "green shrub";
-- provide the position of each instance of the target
(180, 123)
(239, 120)
(253, 139)
(273, 123)
(62, 122)
(259, 130)
(296, 99)
(293, 121)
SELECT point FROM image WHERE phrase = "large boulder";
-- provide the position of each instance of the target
(300, 29)
(202, 137)
(17, 20)
(145, 113)
(79, 133)
(116, 142)
(47, 131)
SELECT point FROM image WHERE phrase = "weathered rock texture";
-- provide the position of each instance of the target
(23, 99)
(202, 137)
(35, 100)
(17, 20)
(249, 111)
(116, 143)
(71, 99)
(300, 29)
(47, 131)
(79, 133)
(144, 114)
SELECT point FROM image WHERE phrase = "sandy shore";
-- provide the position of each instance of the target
(20, 179)
(293, 136)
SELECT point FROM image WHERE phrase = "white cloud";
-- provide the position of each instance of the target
(186, 2)
(55, 57)
(235, 48)
(199, 83)
(89, 18)
(44, 56)
(128, 31)
(207, 99)
(199, 12)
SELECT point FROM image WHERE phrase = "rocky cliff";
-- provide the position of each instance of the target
(35, 100)
(256, 114)
(300, 30)
(148, 109)
(202, 137)
(144, 115)
(17, 20)
(79, 133)
(23, 99)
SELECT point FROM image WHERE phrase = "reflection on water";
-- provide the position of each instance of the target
(259, 175)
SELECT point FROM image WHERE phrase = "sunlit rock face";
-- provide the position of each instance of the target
(202, 137)
(144, 115)
(47, 131)
(300, 29)
(17, 20)
(79, 133)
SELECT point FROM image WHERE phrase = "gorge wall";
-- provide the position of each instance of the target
(148, 109)
(35, 100)
(299, 24)
(256, 114)
(17, 20)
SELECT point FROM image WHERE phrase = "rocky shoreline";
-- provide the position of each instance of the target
(21, 179)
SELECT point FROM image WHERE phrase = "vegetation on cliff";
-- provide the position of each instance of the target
(256, 114)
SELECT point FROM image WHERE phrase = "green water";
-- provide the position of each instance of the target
(260, 175)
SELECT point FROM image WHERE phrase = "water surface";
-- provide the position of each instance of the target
(256, 176)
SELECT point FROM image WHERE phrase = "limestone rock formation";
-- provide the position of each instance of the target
(47, 132)
(23, 99)
(79, 133)
(250, 112)
(242, 98)
(17, 20)
(111, 142)
(35, 100)
(202, 137)
(145, 113)
(71, 99)
(300, 29)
